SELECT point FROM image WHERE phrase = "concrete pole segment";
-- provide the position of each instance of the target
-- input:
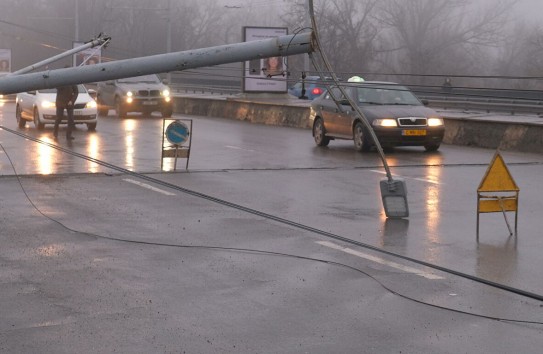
(232, 53)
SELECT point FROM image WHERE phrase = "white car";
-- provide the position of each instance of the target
(39, 106)
(5, 98)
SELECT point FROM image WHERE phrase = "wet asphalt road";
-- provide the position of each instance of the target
(224, 257)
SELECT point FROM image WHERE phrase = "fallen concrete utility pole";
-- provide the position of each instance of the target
(232, 53)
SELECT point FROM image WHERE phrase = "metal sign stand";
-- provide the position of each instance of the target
(176, 140)
(498, 180)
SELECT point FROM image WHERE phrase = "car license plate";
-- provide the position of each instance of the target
(150, 103)
(414, 132)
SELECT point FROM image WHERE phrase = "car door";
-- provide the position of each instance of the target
(329, 110)
(339, 118)
(26, 103)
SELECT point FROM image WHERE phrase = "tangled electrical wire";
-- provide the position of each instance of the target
(246, 250)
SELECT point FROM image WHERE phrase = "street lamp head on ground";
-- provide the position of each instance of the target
(394, 195)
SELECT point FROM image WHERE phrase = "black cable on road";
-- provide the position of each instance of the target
(279, 219)
(261, 252)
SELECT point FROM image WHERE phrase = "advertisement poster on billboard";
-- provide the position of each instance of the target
(268, 74)
(88, 56)
(5, 60)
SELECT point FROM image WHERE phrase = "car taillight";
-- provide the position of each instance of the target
(316, 91)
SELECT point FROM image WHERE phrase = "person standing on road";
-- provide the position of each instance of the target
(66, 96)
(447, 85)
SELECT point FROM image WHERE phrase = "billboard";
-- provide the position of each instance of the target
(268, 74)
(5, 60)
(88, 56)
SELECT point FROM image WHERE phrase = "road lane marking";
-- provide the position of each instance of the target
(380, 260)
(416, 179)
(237, 148)
(145, 185)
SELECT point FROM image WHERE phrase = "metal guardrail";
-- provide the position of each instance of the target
(510, 106)
(221, 90)
(446, 101)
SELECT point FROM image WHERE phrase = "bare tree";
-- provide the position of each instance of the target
(435, 36)
(521, 55)
(347, 32)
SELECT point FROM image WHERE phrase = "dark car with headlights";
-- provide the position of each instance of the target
(396, 115)
(145, 94)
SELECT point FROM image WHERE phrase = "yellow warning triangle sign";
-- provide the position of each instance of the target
(497, 177)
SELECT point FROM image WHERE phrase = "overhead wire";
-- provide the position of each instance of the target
(279, 219)
(248, 250)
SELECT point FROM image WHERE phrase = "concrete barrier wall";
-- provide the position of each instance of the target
(505, 135)
(255, 112)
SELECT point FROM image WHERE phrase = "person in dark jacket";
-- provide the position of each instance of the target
(66, 96)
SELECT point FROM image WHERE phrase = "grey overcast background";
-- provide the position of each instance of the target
(380, 39)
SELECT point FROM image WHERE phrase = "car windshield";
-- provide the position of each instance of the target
(80, 88)
(385, 95)
(145, 78)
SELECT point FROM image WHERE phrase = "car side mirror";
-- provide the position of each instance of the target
(32, 92)
(110, 82)
(425, 102)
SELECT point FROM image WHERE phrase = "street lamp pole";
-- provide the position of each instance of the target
(169, 37)
(76, 20)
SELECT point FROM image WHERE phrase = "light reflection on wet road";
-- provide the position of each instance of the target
(280, 172)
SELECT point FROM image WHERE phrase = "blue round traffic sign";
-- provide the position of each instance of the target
(177, 133)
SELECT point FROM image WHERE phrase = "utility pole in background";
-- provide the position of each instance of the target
(169, 37)
(76, 17)
(307, 24)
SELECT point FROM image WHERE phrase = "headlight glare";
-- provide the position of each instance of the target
(435, 122)
(385, 122)
(166, 93)
(91, 104)
(47, 104)
(129, 94)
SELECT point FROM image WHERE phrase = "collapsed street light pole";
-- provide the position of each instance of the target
(100, 41)
(393, 191)
(231, 53)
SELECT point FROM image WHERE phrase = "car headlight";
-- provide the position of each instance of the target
(435, 122)
(129, 96)
(47, 104)
(385, 122)
(166, 93)
(91, 104)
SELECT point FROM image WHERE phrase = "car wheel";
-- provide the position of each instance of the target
(360, 139)
(167, 113)
(318, 133)
(39, 125)
(91, 126)
(102, 110)
(20, 121)
(431, 147)
(121, 112)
